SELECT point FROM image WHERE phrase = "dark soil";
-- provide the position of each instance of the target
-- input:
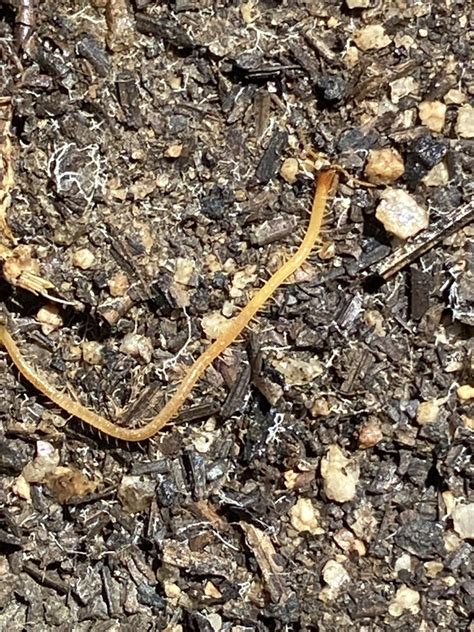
(147, 143)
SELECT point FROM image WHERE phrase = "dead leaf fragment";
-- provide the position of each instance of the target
(68, 482)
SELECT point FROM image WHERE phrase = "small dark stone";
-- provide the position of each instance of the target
(421, 537)
(218, 203)
(166, 492)
(331, 88)
(355, 139)
(89, 48)
(148, 596)
(13, 457)
(418, 471)
(424, 153)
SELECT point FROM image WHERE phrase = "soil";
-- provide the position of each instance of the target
(158, 164)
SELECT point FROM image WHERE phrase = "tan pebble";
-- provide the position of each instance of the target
(50, 318)
(438, 176)
(351, 56)
(83, 259)
(465, 392)
(465, 121)
(433, 568)
(304, 517)
(290, 477)
(174, 151)
(401, 214)
(175, 82)
(344, 539)
(376, 320)
(405, 599)
(137, 346)
(22, 488)
(327, 251)
(92, 353)
(214, 324)
(371, 37)
(210, 590)
(118, 284)
(468, 422)
(249, 11)
(432, 115)
(289, 170)
(135, 493)
(370, 433)
(427, 413)
(384, 166)
(359, 547)
(454, 97)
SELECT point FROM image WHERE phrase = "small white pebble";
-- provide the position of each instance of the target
(334, 574)
(289, 170)
(185, 270)
(49, 316)
(297, 369)
(465, 121)
(402, 88)
(92, 353)
(401, 214)
(463, 520)
(137, 346)
(358, 4)
(213, 324)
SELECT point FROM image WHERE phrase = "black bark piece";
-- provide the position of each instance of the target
(89, 48)
(167, 30)
(420, 287)
(270, 161)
